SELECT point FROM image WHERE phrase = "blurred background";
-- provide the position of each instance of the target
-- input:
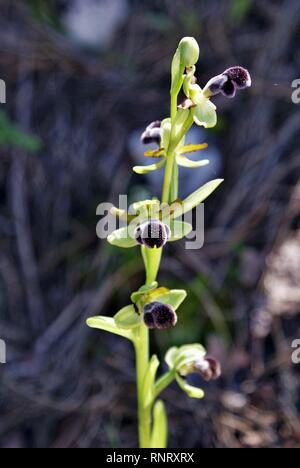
(84, 77)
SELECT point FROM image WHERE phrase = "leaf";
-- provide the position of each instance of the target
(196, 198)
(205, 114)
(185, 162)
(108, 324)
(147, 169)
(160, 426)
(239, 9)
(122, 238)
(179, 230)
(155, 154)
(174, 298)
(149, 382)
(127, 318)
(190, 390)
(193, 148)
(11, 135)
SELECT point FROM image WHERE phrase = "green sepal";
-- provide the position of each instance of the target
(188, 163)
(174, 298)
(123, 238)
(142, 291)
(128, 318)
(108, 324)
(199, 196)
(190, 390)
(148, 169)
(204, 114)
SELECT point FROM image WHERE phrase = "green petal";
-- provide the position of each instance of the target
(174, 298)
(193, 148)
(122, 238)
(186, 162)
(147, 169)
(127, 318)
(108, 324)
(205, 114)
(190, 390)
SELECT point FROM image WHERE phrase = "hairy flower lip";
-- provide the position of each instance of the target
(231, 80)
(209, 369)
(152, 134)
(153, 234)
(159, 316)
(240, 76)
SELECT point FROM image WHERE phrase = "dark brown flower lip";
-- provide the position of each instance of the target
(159, 316)
(209, 369)
(231, 80)
(152, 134)
(153, 234)
(239, 76)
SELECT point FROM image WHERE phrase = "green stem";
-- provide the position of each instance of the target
(164, 382)
(152, 259)
(142, 361)
(171, 155)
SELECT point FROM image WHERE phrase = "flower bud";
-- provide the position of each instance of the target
(152, 134)
(153, 234)
(159, 316)
(189, 51)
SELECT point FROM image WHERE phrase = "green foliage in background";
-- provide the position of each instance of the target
(11, 135)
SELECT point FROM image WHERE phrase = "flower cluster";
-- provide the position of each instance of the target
(151, 225)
